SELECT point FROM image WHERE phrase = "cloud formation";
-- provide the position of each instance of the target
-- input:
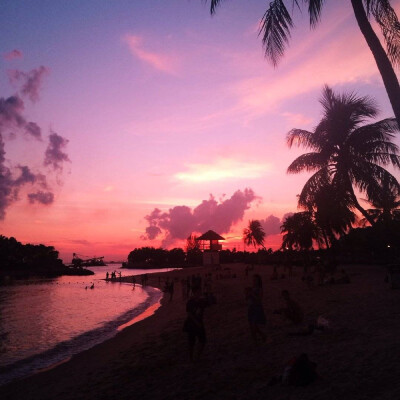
(180, 221)
(11, 117)
(271, 225)
(54, 155)
(41, 197)
(10, 185)
(222, 169)
(160, 62)
(14, 178)
(12, 55)
(30, 82)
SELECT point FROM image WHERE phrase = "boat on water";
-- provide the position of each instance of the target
(78, 261)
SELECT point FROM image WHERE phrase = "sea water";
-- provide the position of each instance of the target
(43, 322)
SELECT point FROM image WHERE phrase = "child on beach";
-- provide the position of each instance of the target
(194, 326)
(255, 314)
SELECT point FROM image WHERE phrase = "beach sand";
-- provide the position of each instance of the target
(357, 357)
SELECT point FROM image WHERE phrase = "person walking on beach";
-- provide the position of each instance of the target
(255, 313)
(194, 326)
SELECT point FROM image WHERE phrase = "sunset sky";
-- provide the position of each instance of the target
(157, 105)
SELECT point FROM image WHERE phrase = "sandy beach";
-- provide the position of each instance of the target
(357, 357)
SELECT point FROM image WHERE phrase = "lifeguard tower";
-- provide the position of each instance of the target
(210, 246)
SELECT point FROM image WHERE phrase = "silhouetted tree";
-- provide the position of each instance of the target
(386, 204)
(254, 234)
(277, 23)
(299, 231)
(345, 152)
(332, 213)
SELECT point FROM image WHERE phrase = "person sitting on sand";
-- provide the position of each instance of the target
(255, 314)
(194, 326)
(292, 311)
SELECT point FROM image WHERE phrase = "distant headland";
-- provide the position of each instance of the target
(24, 261)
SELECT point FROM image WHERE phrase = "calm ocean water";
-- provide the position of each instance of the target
(47, 321)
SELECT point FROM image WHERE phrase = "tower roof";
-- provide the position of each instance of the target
(210, 235)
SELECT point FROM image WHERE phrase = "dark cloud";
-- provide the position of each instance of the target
(34, 130)
(180, 221)
(271, 225)
(54, 155)
(30, 82)
(152, 232)
(45, 198)
(14, 179)
(12, 55)
(26, 176)
(11, 117)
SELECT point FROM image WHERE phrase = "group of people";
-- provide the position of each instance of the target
(194, 324)
(113, 275)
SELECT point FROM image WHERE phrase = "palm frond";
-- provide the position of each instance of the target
(275, 28)
(213, 6)
(314, 10)
(312, 187)
(303, 138)
(387, 20)
(307, 162)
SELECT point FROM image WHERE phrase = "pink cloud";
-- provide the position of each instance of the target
(180, 221)
(55, 156)
(31, 81)
(13, 55)
(158, 61)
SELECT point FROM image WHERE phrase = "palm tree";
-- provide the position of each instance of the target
(254, 234)
(386, 205)
(299, 231)
(276, 25)
(346, 153)
(332, 213)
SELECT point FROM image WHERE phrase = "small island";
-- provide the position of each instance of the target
(24, 261)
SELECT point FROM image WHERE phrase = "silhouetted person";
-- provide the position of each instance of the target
(107, 275)
(255, 312)
(92, 287)
(134, 282)
(171, 290)
(194, 326)
(292, 311)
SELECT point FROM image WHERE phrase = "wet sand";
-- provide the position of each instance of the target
(357, 357)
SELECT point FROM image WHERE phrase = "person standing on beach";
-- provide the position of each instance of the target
(194, 326)
(255, 313)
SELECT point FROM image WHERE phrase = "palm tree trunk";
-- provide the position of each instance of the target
(382, 60)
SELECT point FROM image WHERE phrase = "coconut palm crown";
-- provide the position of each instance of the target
(345, 154)
(254, 234)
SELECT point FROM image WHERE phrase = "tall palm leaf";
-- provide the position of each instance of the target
(254, 234)
(346, 154)
(277, 23)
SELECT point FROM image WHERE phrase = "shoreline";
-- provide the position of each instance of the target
(30, 366)
(356, 357)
